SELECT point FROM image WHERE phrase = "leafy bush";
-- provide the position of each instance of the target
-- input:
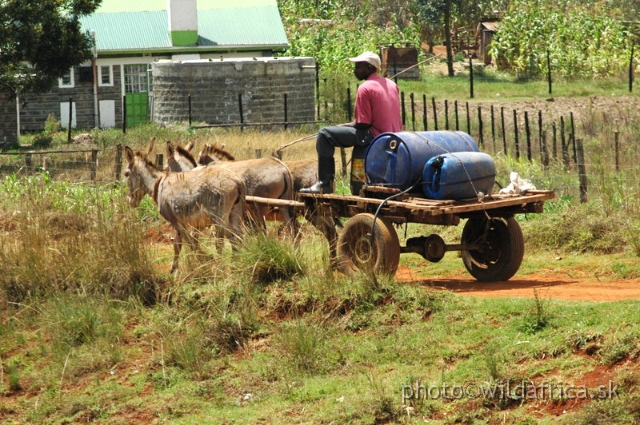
(51, 125)
(41, 141)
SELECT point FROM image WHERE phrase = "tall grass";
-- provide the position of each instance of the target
(71, 238)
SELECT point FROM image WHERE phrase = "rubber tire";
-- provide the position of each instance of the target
(355, 243)
(502, 252)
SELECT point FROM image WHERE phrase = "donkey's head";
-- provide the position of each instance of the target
(211, 153)
(140, 174)
(180, 158)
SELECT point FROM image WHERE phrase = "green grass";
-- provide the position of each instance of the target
(313, 369)
(491, 85)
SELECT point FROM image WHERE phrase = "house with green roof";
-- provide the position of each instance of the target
(130, 36)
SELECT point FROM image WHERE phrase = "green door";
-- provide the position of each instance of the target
(136, 86)
(137, 108)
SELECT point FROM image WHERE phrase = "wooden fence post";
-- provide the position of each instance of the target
(527, 131)
(565, 146)
(554, 129)
(515, 133)
(70, 120)
(124, 114)
(435, 113)
(616, 140)
(582, 171)
(326, 103)
(118, 161)
(455, 107)
(94, 164)
(480, 127)
(493, 128)
(413, 112)
(572, 138)
(540, 130)
(404, 112)
(240, 111)
(159, 161)
(468, 119)
(544, 151)
(343, 160)
(286, 110)
(446, 114)
(504, 131)
(424, 112)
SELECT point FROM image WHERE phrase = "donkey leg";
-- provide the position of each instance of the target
(235, 229)
(290, 225)
(177, 246)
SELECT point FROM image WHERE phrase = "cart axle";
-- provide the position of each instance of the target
(433, 247)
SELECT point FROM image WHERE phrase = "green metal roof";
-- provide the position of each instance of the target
(110, 6)
(247, 24)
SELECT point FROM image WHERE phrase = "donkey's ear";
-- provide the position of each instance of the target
(189, 146)
(129, 154)
(170, 148)
(152, 142)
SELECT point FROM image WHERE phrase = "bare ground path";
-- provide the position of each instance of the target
(561, 286)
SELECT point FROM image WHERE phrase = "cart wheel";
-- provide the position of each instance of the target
(357, 250)
(501, 248)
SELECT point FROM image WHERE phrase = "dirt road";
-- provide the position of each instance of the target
(546, 285)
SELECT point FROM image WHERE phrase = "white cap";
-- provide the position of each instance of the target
(368, 57)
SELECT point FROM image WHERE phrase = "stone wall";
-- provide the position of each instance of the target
(35, 108)
(218, 87)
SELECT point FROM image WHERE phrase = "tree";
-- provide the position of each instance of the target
(40, 41)
(451, 14)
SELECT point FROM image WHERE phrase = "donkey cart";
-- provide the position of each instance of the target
(491, 245)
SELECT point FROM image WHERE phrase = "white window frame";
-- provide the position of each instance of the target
(136, 78)
(100, 82)
(72, 81)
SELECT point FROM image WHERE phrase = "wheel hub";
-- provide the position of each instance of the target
(362, 250)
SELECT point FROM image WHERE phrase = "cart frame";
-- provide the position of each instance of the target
(491, 246)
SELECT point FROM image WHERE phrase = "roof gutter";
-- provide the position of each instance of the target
(193, 49)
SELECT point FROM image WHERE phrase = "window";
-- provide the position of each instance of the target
(105, 75)
(135, 78)
(67, 80)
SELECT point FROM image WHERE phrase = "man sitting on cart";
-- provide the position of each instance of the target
(377, 110)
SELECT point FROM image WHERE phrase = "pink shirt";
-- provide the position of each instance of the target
(378, 104)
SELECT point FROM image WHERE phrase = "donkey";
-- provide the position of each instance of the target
(303, 171)
(194, 200)
(263, 177)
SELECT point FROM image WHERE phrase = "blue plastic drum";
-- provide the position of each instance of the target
(397, 160)
(459, 175)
